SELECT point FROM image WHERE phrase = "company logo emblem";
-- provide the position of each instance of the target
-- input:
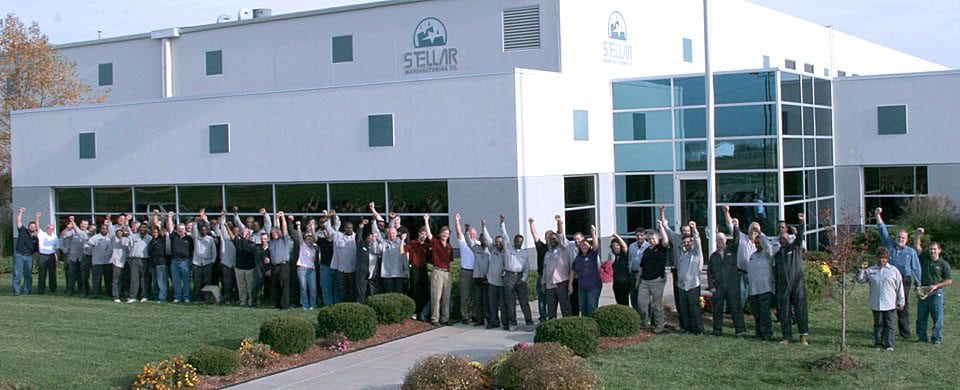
(431, 53)
(617, 27)
(429, 33)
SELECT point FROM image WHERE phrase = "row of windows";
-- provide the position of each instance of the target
(892, 187)
(807, 68)
(759, 153)
(729, 121)
(309, 198)
(379, 129)
(341, 51)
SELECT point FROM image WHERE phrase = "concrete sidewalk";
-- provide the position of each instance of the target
(384, 366)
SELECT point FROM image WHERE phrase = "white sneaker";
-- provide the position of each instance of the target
(143, 299)
(176, 301)
(131, 300)
(116, 301)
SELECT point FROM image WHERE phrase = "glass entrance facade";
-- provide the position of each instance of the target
(773, 149)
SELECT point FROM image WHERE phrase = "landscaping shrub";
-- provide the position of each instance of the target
(561, 376)
(173, 373)
(392, 308)
(517, 366)
(257, 355)
(617, 320)
(287, 335)
(818, 280)
(580, 334)
(356, 321)
(214, 361)
(444, 371)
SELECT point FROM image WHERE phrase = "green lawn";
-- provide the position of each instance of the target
(678, 361)
(56, 341)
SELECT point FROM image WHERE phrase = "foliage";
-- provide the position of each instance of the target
(940, 217)
(517, 366)
(173, 373)
(444, 371)
(846, 252)
(35, 75)
(392, 308)
(214, 361)
(817, 277)
(257, 355)
(287, 335)
(356, 321)
(561, 376)
(580, 334)
(336, 341)
(617, 320)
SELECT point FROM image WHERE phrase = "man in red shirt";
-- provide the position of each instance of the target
(419, 251)
(440, 282)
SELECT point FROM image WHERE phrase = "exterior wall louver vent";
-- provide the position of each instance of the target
(521, 28)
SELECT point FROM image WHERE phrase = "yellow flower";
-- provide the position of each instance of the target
(825, 269)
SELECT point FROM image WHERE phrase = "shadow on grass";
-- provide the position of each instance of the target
(232, 344)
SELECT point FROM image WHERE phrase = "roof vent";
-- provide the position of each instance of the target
(521, 28)
(261, 12)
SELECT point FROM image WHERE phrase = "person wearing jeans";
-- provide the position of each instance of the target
(586, 268)
(935, 276)
(48, 243)
(886, 295)
(100, 252)
(156, 253)
(73, 239)
(24, 249)
(181, 251)
(306, 266)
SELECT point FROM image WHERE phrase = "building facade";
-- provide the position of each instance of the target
(526, 109)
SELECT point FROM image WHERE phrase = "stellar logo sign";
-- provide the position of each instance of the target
(431, 53)
(616, 49)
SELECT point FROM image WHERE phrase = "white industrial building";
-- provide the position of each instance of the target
(477, 107)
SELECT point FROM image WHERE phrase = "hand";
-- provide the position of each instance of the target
(170, 214)
(426, 217)
(70, 218)
(864, 265)
(920, 231)
(235, 209)
(298, 222)
(934, 288)
(503, 218)
(364, 222)
(659, 223)
(735, 222)
(899, 307)
(223, 213)
(557, 218)
(693, 225)
(403, 237)
(372, 206)
(593, 228)
(877, 211)
(262, 210)
(726, 209)
(662, 208)
(802, 217)
(290, 218)
(483, 222)
(333, 213)
(203, 211)
(38, 215)
(530, 220)
(456, 217)
(280, 214)
(22, 209)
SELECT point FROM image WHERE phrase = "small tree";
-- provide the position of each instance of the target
(846, 253)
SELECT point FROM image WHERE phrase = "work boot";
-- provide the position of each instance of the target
(786, 341)
(804, 340)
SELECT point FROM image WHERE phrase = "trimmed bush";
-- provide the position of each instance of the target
(517, 366)
(357, 321)
(444, 371)
(392, 308)
(561, 376)
(580, 334)
(214, 361)
(257, 355)
(617, 320)
(817, 281)
(287, 335)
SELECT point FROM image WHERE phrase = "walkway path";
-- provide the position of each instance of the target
(384, 366)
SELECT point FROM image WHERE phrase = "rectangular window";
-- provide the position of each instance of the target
(88, 145)
(342, 49)
(214, 62)
(642, 94)
(581, 126)
(220, 138)
(73, 199)
(380, 129)
(638, 126)
(892, 119)
(105, 74)
(745, 87)
(826, 72)
(790, 64)
(644, 189)
(739, 121)
(808, 68)
(841, 73)
(652, 156)
(892, 188)
(687, 50)
(579, 204)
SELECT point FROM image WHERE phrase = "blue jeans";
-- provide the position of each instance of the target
(932, 306)
(308, 287)
(327, 276)
(160, 273)
(589, 300)
(180, 270)
(541, 299)
(22, 269)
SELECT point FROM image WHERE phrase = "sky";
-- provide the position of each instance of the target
(929, 29)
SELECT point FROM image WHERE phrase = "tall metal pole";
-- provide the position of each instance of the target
(711, 147)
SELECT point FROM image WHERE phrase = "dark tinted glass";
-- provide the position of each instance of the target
(822, 92)
(214, 61)
(808, 121)
(691, 123)
(88, 145)
(418, 197)
(354, 197)
(162, 199)
(579, 221)
(747, 154)
(792, 186)
(220, 138)
(824, 182)
(640, 189)
(578, 191)
(73, 199)
(746, 120)
(691, 156)
(112, 200)
(648, 125)
(792, 153)
(824, 152)
(631, 218)
(343, 48)
(643, 157)
(792, 120)
(824, 121)
(790, 87)
(689, 91)
(250, 199)
(745, 87)
(301, 198)
(807, 89)
(192, 198)
(747, 187)
(105, 74)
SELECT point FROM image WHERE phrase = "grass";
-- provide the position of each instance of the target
(55, 341)
(678, 361)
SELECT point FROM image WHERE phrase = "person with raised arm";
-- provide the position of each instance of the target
(906, 260)
(760, 272)
(47, 244)
(791, 284)
(344, 257)
(689, 259)
(23, 251)
(73, 239)
(139, 263)
(100, 251)
(556, 268)
(467, 259)
(252, 225)
(586, 267)
(517, 266)
(676, 239)
(651, 279)
(228, 258)
(418, 252)
(623, 277)
(541, 247)
(723, 275)
(181, 252)
(634, 253)
(481, 289)
(441, 256)
(934, 276)
(307, 265)
(393, 264)
(120, 245)
(157, 250)
(204, 255)
(279, 248)
(367, 274)
(886, 295)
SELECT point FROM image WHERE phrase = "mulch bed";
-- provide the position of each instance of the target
(385, 333)
(619, 342)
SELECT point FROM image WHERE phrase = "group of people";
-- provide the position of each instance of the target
(240, 261)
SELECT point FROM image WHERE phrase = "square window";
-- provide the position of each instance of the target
(687, 50)
(105, 74)
(220, 138)
(841, 73)
(581, 126)
(214, 62)
(790, 64)
(892, 119)
(808, 68)
(342, 49)
(380, 129)
(88, 145)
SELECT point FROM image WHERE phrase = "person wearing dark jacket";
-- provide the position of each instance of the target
(791, 284)
(723, 275)
(246, 268)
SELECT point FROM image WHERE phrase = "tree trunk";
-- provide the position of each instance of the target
(843, 312)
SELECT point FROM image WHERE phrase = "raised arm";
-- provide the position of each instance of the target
(403, 244)
(595, 244)
(37, 221)
(298, 233)
(917, 244)
(884, 233)
(533, 230)
(283, 224)
(20, 217)
(801, 229)
(697, 246)
(664, 237)
(503, 227)
(456, 219)
(373, 209)
(267, 223)
(426, 223)
(169, 221)
(730, 220)
(623, 244)
(486, 235)
(560, 234)
(237, 221)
